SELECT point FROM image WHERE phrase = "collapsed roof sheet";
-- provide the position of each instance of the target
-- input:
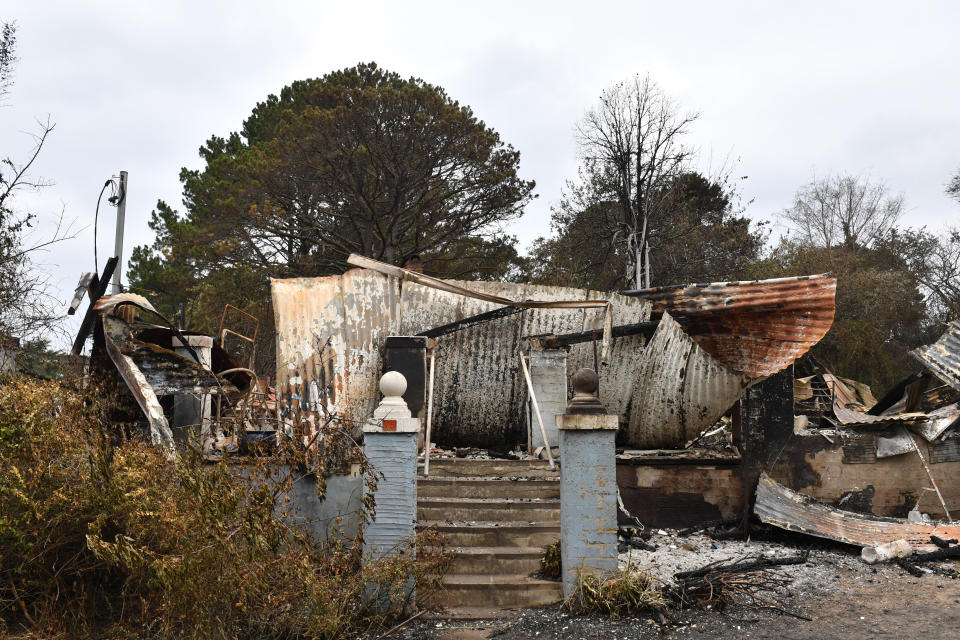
(781, 507)
(680, 389)
(943, 356)
(757, 327)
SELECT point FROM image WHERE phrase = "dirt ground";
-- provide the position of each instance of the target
(843, 597)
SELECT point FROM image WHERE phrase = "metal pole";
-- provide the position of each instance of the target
(536, 410)
(426, 445)
(926, 467)
(118, 241)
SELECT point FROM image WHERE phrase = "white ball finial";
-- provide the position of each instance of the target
(393, 384)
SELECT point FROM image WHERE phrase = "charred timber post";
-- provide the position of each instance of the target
(588, 484)
(390, 444)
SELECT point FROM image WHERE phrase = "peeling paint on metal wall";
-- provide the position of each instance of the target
(329, 335)
(679, 390)
(330, 332)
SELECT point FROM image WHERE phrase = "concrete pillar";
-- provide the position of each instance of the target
(588, 484)
(390, 444)
(191, 411)
(548, 373)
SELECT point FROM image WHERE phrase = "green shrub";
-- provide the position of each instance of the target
(101, 536)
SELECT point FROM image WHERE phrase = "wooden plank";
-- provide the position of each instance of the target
(91, 315)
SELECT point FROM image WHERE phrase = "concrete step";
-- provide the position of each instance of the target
(496, 533)
(499, 590)
(495, 560)
(502, 509)
(474, 487)
(460, 467)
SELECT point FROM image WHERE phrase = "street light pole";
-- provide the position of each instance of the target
(118, 242)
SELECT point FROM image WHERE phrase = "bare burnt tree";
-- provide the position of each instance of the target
(843, 210)
(633, 140)
(26, 307)
(953, 187)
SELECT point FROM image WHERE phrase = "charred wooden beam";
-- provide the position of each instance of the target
(98, 288)
(480, 318)
(619, 331)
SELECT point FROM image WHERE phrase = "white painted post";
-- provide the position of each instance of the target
(426, 445)
(390, 444)
(536, 411)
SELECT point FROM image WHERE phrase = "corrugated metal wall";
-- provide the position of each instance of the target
(330, 332)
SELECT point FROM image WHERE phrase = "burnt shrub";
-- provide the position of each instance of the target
(102, 536)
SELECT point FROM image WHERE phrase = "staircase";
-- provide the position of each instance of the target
(497, 517)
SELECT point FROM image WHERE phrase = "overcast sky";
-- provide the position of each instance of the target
(791, 90)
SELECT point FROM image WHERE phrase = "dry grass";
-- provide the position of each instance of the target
(628, 591)
(105, 537)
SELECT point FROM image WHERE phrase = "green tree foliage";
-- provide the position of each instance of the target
(360, 160)
(696, 235)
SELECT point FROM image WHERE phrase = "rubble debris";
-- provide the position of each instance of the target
(895, 444)
(756, 328)
(710, 524)
(781, 507)
(96, 288)
(942, 357)
(938, 421)
(886, 551)
(144, 356)
(940, 542)
(740, 582)
(903, 396)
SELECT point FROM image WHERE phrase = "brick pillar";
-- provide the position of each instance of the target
(390, 444)
(588, 484)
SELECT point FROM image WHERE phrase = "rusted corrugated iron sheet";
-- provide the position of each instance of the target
(781, 507)
(679, 390)
(757, 327)
(942, 357)
(330, 332)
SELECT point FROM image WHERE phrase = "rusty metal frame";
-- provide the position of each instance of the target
(222, 332)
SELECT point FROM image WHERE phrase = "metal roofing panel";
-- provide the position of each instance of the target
(756, 327)
(943, 356)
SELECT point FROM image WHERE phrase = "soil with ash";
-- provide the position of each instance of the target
(842, 596)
